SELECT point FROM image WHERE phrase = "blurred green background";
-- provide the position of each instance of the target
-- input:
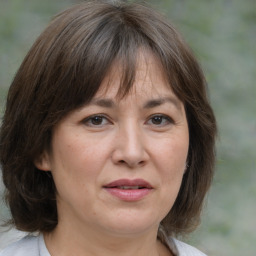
(222, 34)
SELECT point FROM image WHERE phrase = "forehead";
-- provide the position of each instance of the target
(149, 78)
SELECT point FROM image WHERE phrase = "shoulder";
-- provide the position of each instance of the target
(186, 250)
(177, 247)
(27, 246)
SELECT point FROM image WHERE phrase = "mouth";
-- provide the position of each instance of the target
(129, 190)
(130, 187)
(129, 184)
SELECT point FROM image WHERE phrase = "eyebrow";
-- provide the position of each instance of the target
(158, 102)
(109, 103)
(106, 103)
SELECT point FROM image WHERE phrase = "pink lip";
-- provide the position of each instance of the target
(116, 189)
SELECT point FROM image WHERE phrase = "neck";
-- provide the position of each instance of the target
(64, 242)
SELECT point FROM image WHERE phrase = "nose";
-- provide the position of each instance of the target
(129, 147)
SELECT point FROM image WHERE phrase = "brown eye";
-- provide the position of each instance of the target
(160, 120)
(96, 120)
(157, 120)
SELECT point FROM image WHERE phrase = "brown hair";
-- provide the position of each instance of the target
(64, 69)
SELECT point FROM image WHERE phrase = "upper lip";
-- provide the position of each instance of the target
(129, 183)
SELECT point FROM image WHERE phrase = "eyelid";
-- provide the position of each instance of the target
(86, 120)
(167, 117)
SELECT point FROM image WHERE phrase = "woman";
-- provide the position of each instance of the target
(107, 141)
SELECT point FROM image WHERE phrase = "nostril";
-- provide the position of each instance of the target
(132, 164)
(141, 162)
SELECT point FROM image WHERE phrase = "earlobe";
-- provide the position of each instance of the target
(186, 167)
(42, 162)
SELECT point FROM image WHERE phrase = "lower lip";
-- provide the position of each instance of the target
(129, 194)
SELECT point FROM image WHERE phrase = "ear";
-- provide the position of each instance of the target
(42, 162)
(186, 167)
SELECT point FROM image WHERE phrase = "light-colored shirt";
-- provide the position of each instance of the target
(35, 246)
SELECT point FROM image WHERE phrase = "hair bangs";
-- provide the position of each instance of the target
(112, 47)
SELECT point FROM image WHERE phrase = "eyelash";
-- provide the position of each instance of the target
(89, 120)
(168, 120)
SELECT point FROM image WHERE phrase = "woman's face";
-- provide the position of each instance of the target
(118, 164)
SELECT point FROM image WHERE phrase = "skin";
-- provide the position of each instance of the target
(143, 136)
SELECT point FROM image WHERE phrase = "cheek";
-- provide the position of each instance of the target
(74, 163)
(170, 160)
(173, 164)
(172, 154)
(75, 175)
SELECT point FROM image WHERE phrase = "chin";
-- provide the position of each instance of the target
(132, 224)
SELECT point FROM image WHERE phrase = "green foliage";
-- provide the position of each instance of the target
(20, 23)
(222, 34)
